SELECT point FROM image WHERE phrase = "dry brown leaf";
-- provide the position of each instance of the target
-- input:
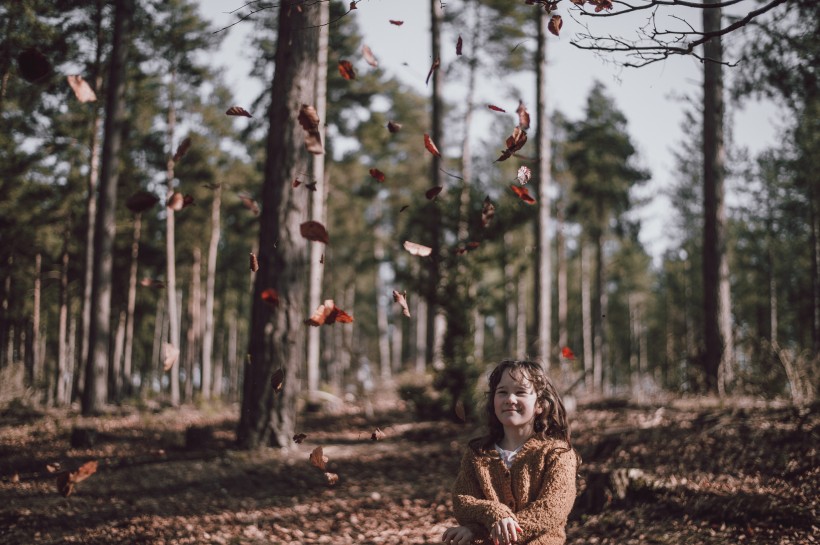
(367, 53)
(182, 149)
(555, 24)
(315, 231)
(332, 478)
(459, 44)
(254, 263)
(417, 249)
(346, 70)
(430, 145)
(328, 313)
(82, 90)
(433, 68)
(523, 194)
(377, 435)
(523, 116)
(299, 437)
(309, 120)
(401, 299)
(67, 480)
(394, 22)
(393, 127)
(170, 354)
(238, 110)
(318, 459)
(514, 143)
(377, 175)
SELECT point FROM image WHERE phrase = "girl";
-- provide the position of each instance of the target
(517, 484)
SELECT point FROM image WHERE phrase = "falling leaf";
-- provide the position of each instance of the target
(311, 186)
(322, 259)
(299, 437)
(315, 231)
(238, 110)
(459, 43)
(523, 116)
(433, 192)
(254, 263)
(178, 201)
(346, 70)
(377, 174)
(403, 208)
(34, 67)
(270, 297)
(487, 211)
(524, 175)
(377, 435)
(277, 381)
(67, 480)
(433, 68)
(496, 108)
(401, 299)
(250, 204)
(601, 5)
(309, 120)
(296, 183)
(353, 5)
(170, 354)
(393, 127)
(578, 2)
(141, 201)
(417, 249)
(459, 410)
(332, 478)
(555, 24)
(182, 149)
(328, 313)
(82, 90)
(318, 459)
(523, 194)
(368, 55)
(151, 283)
(567, 353)
(397, 23)
(514, 143)
(430, 145)
(461, 250)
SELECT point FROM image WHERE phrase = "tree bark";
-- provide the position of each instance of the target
(94, 393)
(586, 319)
(194, 326)
(36, 371)
(317, 202)
(127, 366)
(717, 359)
(599, 304)
(170, 248)
(210, 283)
(521, 318)
(561, 268)
(62, 376)
(542, 237)
(277, 335)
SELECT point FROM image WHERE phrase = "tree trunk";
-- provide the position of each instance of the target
(277, 335)
(317, 203)
(717, 359)
(382, 324)
(36, 372)
(421, 334)
(436, 133)
(510, 298)
(127, 366)
(521, 318)
(6, 327)
(561, 267)
(586, 319)
(170, 249)
(115, 363)
(91, 206)
(94, 393)
(210, 283)
(156, 351)
(194, 326)
(62, 376)
(599, 304)
(542, 230)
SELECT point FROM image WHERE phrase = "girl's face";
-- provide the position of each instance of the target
(515, 402)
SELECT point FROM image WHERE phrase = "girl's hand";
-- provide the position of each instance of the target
(505, 531)
(459, 535)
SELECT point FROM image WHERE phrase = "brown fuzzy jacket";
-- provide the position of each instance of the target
(538, 490)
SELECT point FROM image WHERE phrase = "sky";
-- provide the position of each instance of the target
(649, 97)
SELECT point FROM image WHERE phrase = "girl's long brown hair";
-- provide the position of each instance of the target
(552, 422)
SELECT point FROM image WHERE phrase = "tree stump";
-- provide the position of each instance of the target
(198, 436)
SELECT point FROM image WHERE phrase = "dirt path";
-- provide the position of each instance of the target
(709, 475)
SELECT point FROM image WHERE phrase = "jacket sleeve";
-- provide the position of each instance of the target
(548, 513)
(469, 504)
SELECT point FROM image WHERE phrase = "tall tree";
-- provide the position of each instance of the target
(277, 336)
(94, 393)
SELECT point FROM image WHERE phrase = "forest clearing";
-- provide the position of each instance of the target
(744, 471)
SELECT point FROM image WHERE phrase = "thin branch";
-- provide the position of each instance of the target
(657, 3)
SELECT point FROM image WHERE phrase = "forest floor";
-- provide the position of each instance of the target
(696, 472)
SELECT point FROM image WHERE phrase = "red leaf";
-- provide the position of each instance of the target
(523, 194)
(270, 297)
(318, 459)
(514, 143)
(82, 90)
(315, 231)
(254, 263)
(523, 116)
(67, 480)
(377, 174)
(309, 120)
(555, 24)
(369, 57)
(401, 299)
(178, 201)
(397, 23)
(238, 110)
(430, 145)
(433, 68)
(433, 192)
(278, 380)
(496, 108)
(182, 149)
(417, 249)
(393, 127)
(567, 353)
(328, 313)
(459, 44)
(346, 70)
